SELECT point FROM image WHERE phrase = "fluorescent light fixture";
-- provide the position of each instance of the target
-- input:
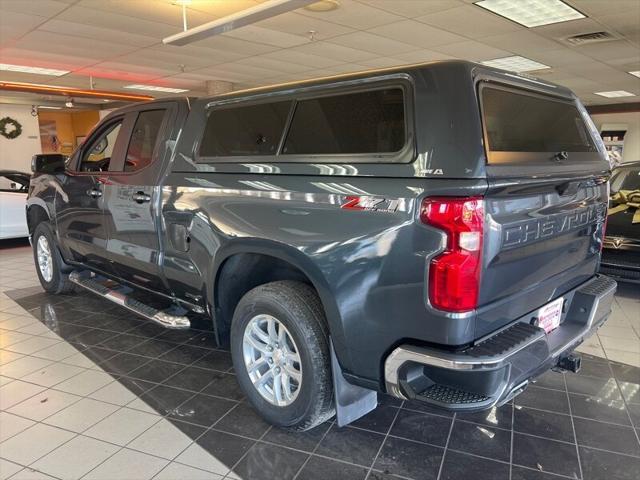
(515, 63)
(7, 67)
(49, 107)
(636, 73)
(615, 94)
(155, 88)
(532, 13)
(262, 11)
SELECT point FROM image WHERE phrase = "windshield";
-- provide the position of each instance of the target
(626, 179)
(13, 182)
(528, 122)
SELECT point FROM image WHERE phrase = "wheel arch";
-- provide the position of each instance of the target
(37, 211)
(262, 261)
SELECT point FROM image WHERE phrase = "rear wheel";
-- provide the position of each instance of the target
(49, 263)
(280, 350)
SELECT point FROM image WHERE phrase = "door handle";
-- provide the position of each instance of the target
(94, 192)
(141, 197)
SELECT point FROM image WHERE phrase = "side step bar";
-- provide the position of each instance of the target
(90, 281)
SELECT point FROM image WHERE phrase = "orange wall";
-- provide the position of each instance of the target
(70, 125)
(84, 121)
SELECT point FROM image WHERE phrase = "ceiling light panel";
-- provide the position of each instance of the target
(532, 13)
(155, 88)
(7, 67)
(636, 73)
(615, 94)
(516, 64)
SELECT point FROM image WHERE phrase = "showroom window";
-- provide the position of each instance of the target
(245, 130)
(354, 123)
(519, 122)
(143, 140)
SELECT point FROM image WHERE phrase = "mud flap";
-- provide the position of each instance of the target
(352, 401)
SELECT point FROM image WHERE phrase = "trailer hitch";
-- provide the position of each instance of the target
(571, 362)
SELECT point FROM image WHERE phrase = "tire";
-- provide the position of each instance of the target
(295, 306)
(54, 280)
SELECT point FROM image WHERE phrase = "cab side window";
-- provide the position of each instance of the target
(97, 156)
(143, 140)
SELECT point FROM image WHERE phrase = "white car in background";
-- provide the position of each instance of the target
(13, 200)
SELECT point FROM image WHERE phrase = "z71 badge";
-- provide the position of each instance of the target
(377, 204)
(431, 171)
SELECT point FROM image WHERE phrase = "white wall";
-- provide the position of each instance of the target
(15, 154)
(631, 151)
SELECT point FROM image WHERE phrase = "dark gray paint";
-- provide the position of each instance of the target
(369, 268)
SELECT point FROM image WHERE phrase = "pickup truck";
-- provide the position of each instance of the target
(432, 232)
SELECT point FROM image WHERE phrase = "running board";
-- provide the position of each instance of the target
(90, 281)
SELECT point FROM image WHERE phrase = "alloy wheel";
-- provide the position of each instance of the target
(45, 260)
(272, 360)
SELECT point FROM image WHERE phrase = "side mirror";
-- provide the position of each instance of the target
(50, 163)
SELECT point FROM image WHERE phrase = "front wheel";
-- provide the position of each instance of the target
(48, 261)
(280, 350)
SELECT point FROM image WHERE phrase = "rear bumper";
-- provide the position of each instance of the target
(499, 367)
(621, 263)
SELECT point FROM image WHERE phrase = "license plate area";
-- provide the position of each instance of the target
(550, 315)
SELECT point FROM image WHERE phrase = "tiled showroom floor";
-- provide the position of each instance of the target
(90, 391)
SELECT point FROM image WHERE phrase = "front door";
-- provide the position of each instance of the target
(131, 200)
(79, 204)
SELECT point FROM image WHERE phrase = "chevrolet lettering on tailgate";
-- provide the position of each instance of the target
(539, 228)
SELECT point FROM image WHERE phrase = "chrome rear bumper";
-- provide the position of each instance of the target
(494, 370)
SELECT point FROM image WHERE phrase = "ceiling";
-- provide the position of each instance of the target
(118, 42)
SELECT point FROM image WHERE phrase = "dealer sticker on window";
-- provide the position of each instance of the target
(549, 316)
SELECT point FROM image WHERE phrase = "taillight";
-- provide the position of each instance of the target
(454, 275)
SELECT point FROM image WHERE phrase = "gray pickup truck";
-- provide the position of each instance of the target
(432, 232)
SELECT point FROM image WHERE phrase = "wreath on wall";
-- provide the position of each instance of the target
(10, 128)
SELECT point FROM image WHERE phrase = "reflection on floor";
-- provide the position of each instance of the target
(90, 391)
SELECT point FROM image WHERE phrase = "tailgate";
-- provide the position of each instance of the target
(545, 205)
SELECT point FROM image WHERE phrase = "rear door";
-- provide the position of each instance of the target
(545, 204)
(132, 195)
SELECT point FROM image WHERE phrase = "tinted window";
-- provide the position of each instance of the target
(143, 140)
(97, 156)
(366, 122)
(518, 122)
(245, 130)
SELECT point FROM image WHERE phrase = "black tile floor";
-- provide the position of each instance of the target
(583, 426)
